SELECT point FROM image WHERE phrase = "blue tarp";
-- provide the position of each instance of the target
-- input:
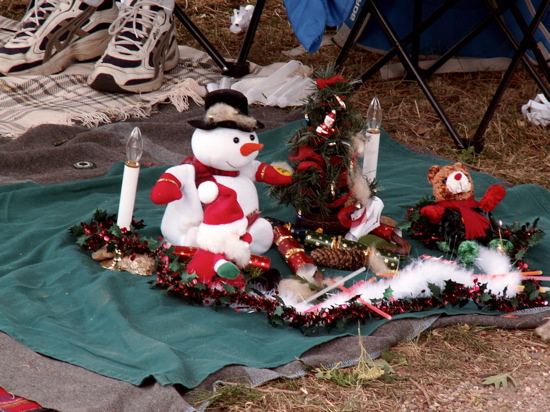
(310, 18)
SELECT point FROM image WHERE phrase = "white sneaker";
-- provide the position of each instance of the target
(143, 47)
(55, 32)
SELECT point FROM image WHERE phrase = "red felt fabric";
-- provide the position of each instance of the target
(13, 403)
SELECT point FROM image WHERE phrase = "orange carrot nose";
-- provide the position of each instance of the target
(248, 148)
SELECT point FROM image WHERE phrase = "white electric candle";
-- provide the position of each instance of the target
(291, 96)
(286, 85)
(255, 93)
(370, 158)
(372, 140)
(134, 150)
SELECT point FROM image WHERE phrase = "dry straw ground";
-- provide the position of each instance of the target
(458, 368)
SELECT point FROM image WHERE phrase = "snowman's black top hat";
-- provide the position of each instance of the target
(226, 108)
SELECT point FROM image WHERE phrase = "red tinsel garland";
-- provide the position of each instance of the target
(103, 231)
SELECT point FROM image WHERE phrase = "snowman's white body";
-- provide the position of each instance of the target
(219, 149)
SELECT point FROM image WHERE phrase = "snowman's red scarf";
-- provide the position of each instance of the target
(205, 173)
(475, 224)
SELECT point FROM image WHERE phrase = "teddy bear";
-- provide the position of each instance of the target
(456, 215)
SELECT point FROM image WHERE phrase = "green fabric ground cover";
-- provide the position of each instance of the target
(59, 302)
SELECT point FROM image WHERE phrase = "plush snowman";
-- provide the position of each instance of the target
(225, 146)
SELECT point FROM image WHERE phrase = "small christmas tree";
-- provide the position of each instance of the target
(328, 185)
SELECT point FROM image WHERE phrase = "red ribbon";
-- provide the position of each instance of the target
(344, 216)
(205, 173)
(303, 166)
(322, 83)
(474, 223)
(306, 152)
(339, 202)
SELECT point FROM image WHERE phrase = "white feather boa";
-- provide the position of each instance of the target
(413, 281)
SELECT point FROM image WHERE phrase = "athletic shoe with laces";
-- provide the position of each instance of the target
(55, 32)
(142, 48)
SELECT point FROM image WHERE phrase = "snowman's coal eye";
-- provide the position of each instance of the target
(252, 137)
(236, 139)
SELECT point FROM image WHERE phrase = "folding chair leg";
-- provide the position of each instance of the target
(199, 37)
(240, 67)
(477, 140)
(352, 37)
(543, 65)
(252, 27)
(410, 67)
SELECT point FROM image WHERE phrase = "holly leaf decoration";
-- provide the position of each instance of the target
(534, 294)
(77, 230)
(100, 215)
(531, 289)
(484, 297)
(388, 293)
(278, 311)
(186, 277)
(174, 266)
(535, 238)
(279, 299)
(275, 321)
(405, 226)
(199, 285)
(500, 380)
(520, 254)
(115, 230)
(82, 240)
(436, 290)
(152, 244)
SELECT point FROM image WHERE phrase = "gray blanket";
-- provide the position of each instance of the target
(47, 154)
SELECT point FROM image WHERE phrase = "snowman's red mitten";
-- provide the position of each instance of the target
(166, 190)
(434, 213)
(492, 197)
(273, 175)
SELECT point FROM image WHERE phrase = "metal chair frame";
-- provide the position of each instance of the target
(238, 68)
(410, 60)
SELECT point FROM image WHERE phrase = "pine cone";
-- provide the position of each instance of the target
(343, 259)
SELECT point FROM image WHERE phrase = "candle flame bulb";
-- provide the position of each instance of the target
(372, 139)
(374, 115)
(134, 148)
